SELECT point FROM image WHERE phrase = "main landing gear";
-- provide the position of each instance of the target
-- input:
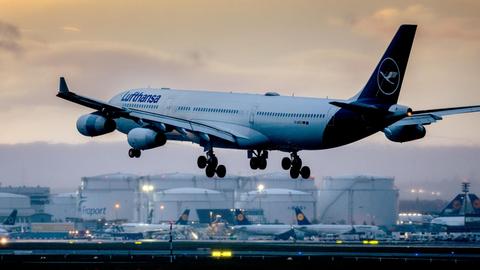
(258, 159)
(294, 163)
(134, 153)
(210, 164)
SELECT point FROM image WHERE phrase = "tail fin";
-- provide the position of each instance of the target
(183, 219)
(11, 219)
(384, 85)
(301, 218)
(240, 218)
(454, 207)
(475, 201)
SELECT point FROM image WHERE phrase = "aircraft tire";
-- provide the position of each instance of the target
(286, 163)
(210, 171)
(221, 171)
(262, 163)
(131, 152)
(294, 173)
(254, 163)
(202, 162)
(305, 172)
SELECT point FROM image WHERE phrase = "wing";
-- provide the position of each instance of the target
(181, 125)
(426, 117)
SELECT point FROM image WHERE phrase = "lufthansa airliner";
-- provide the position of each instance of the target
(261, 123)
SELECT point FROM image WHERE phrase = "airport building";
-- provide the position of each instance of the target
(358, 200)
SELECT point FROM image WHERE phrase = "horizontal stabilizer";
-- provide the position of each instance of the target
(63, 85)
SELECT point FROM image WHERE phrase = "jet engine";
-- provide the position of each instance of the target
(95, 124)
(405, 133)
(145, 138)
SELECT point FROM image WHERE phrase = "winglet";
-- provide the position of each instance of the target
(63, 86)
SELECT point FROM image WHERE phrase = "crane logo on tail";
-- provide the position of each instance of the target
(388, 76)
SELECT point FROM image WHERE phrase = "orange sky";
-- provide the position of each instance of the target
(310, 48)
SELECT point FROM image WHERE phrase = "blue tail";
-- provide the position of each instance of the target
(183, 219)
(11, 219)
(384, 85)
(475, 201)
(454, 207)
(301, 218)
(241, 218)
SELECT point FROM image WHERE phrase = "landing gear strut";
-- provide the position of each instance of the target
(294, 164)
(134, 153)
(210, 164)
(258, 159)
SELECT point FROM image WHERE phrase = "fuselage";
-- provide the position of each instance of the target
(270, 122)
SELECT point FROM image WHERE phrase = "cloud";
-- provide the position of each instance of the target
(10, 38)
(434, 23)
(70, 29)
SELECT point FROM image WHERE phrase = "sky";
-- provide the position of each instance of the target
(305, 48)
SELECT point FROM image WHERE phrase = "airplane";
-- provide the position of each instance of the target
(148, 229)
(244, 228)
(261, 123)
(8, 224)
(452, 217)
(304, 225)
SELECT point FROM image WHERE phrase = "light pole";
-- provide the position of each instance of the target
(117, 206)
(148, 189)
(260, 189)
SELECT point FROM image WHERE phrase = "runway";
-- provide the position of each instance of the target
(232, 254)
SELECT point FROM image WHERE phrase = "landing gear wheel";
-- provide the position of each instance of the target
(297, 163)
(213, 161)
(254, 163)
(134, 153)
(294, 173)
(286, 163)
(221, 171)
(262, 163)
(202, 162)
(210, 171)
(305, 172)
(131, 152)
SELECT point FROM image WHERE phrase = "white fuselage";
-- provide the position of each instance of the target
(269, 122)
(145, 228)
(262, 229)
(454, 221)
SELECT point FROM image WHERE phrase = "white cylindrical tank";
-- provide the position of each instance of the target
(11, 201)
(110, 196)
(169, 204)
(278, 204)
(62, 206)
(358, 200)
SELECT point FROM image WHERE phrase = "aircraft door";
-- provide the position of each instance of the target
(253, 112)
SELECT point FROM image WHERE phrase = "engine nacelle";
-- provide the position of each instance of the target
(145, 138)
(405, 133)
(95, 124)
(400, 110)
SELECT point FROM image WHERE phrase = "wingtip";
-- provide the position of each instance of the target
(63, 85)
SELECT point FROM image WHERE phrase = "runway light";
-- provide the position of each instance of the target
(222, 254)
(373, 242)
(339, 241)
(260, 187)
(365, 242)
(138, 242)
